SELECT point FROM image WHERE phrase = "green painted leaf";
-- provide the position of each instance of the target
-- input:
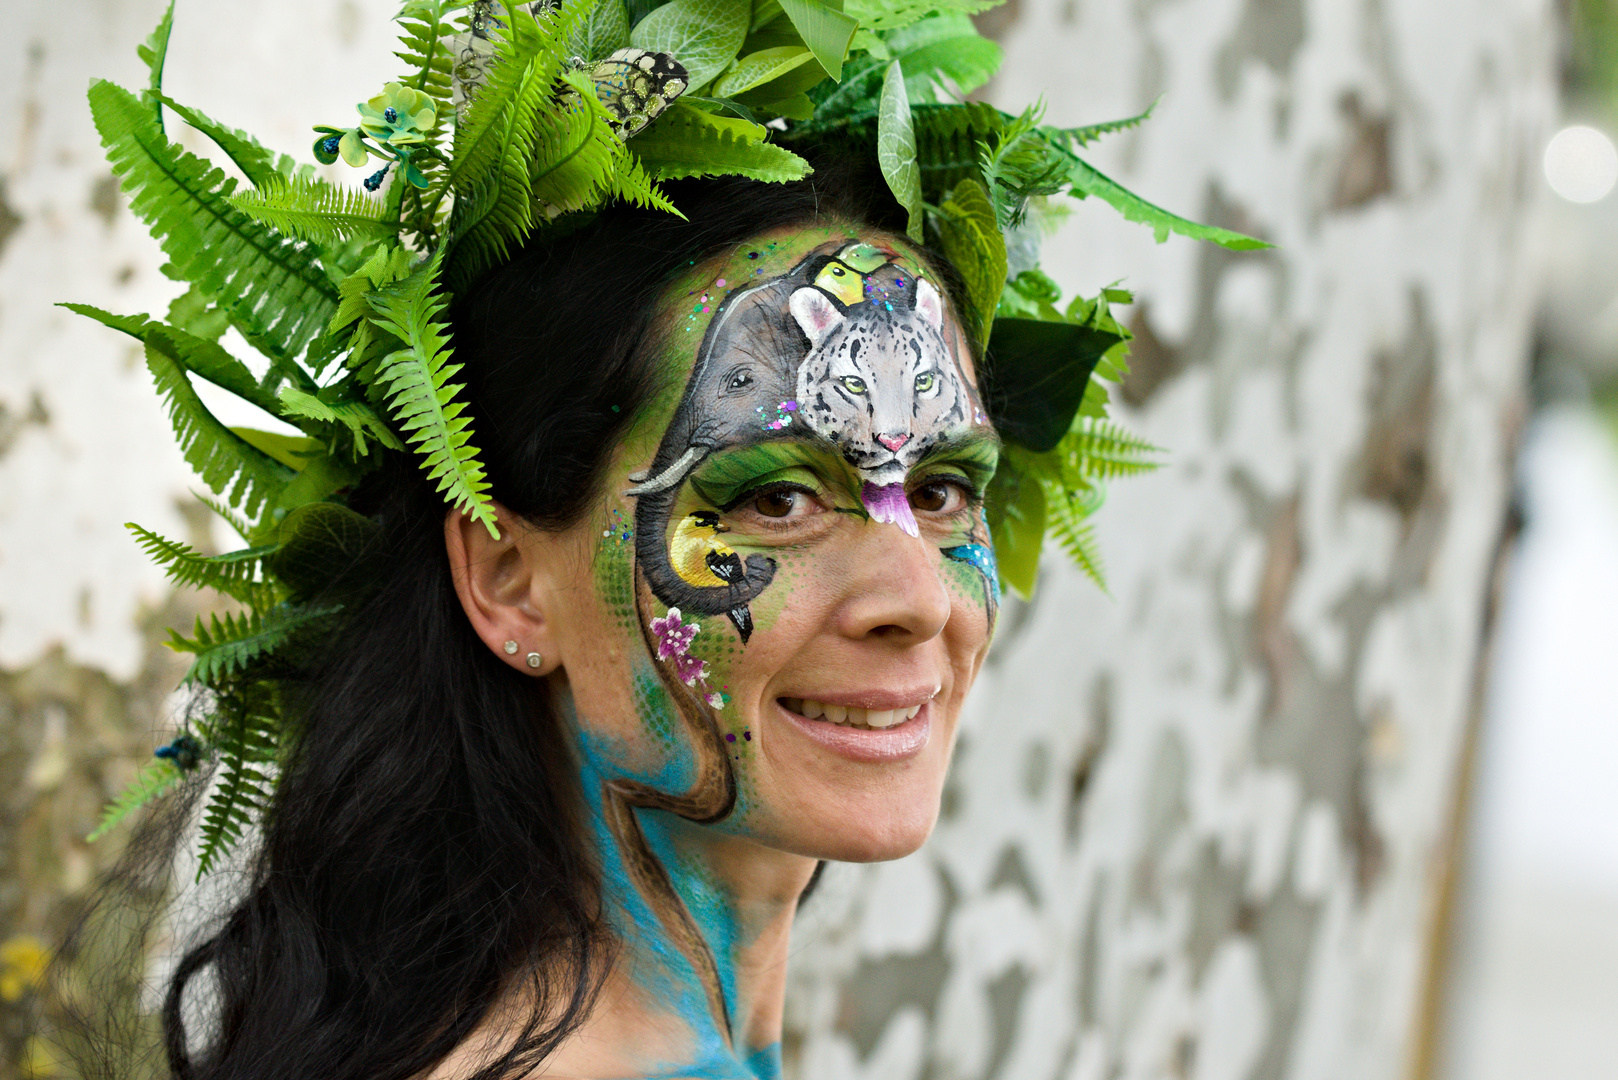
(703, 35)
(1088, 180)
(827, 32)
(602, 31)
(759, 68)
(686, 141)
(896, 148)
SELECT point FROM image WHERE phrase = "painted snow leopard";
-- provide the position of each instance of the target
(879, 380)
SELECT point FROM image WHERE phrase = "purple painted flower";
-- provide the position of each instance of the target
(890, 503)
(674, 637)
(690, 670)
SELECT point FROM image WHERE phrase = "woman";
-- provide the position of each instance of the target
(542, 776)
(539, 811)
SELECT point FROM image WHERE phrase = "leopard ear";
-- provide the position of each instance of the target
(815, 313)
(929, 305)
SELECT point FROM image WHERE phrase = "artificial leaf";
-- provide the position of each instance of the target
(276, 293)
(1017, 524)
(360, 419)
(758, 68)
(601, 31)
(416, 382)
(971, 238)
(154, 781)
(293, 451)
(896, 148)
(312, 209)
(944, 46)
(154, 54)
(826, 31)
(703, 35)
(1087, 180)
(1065, 519)
(320, 544)
(257, 163)
(1080, 137)
(893, 14)
(234, 573)
(686, 141)
(1035, 374)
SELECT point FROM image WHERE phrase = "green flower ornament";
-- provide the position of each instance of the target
(399, 119)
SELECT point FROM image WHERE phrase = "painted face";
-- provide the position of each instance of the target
(791, 586)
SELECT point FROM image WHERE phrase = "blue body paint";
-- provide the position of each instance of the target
(980, 556)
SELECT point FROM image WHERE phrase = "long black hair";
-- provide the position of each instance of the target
(422, 860)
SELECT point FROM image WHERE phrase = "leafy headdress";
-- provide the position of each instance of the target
(510, 121)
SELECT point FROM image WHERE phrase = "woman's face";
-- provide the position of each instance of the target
(788, 588)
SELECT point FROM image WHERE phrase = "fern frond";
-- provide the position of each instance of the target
(242, 793)
(416, 382)
(1065, 520)
(1085, 179)
(235, 573)
(1080, 137)
(198, 355)
(893, 14)
(259, 164)
(425, 46)
(360, 419)
(1104, 451)
(152, 783)
(686, 141)
(234, 520)
(574, 150)
(481, 140)
(311, 209)
(227, 646)
(274, 290)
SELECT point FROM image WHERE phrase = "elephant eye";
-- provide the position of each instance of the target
(924, 382)
(739, 380)
(853, 384)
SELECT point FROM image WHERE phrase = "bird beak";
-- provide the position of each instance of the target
(720, 527)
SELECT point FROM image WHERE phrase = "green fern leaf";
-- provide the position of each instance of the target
(313, 210)
(227, 646)
(416, 382)
(1085, 180)
(425, 45)
(242, 792)
(235, 573)
(1105, 451)
(974, 244)
(154, 54)
(234, 520)
(360, 419)
(1065, 520)
(482, 138)
(274, 290)
(687, 141)
(893, 14)
(259, 164)
(574, 149)
(151, 784)
(199, 355)
(1080, 137)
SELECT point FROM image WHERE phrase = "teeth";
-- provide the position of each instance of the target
(848, 715)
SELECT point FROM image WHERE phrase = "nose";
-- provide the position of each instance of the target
(895, 592)
(893, 442)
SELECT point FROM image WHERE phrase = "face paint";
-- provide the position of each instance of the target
(820, 393)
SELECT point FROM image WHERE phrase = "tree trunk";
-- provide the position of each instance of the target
(1200, 827)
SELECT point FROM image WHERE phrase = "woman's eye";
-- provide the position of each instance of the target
(938, 497)
(783, 503)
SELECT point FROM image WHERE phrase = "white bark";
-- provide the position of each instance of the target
(1196, 828)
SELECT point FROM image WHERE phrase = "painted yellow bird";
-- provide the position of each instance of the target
(842, 282)
(701, 559)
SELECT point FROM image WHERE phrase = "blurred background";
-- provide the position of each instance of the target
(1320, 788)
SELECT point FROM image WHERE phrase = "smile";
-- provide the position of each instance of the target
(849, 715)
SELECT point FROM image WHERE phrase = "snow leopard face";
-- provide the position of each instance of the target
(879, 380)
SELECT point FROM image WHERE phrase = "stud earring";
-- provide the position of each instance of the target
(535, 659)
(511, 648)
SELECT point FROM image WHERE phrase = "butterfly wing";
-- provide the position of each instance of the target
(636, 85)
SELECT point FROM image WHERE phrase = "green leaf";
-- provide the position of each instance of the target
(703, 35)
(1035, 374)
(1087, 180)
(360, 419)
(234, 573)
(946, 45)
(896, 148)
(154, 54)
(425, 45)
(1066, 514)
(229, 645)
(313, 210)
(416, 382)
(758, 68)
(245, 734)
(686, 141)
(826, 31)
(274, 290)
(602, 31)
(1105, 451)
(258, 164)
(973, 243)
(1080, 137)
(293, 451)
(198, 355)
(1017, 524)
(893, 14)
(320, 544)
(152, 783)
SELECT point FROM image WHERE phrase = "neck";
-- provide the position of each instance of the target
(704, 923)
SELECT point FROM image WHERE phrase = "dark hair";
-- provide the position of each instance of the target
(422, 849)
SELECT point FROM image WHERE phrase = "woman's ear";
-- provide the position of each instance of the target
(502, 588)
